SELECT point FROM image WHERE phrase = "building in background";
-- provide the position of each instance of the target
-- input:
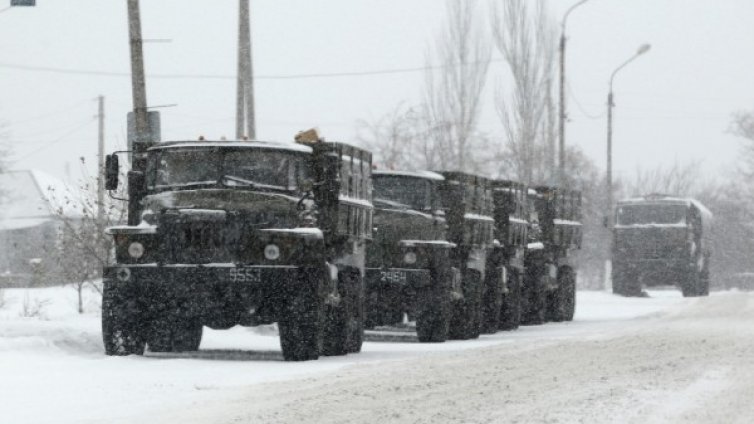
(33, 205)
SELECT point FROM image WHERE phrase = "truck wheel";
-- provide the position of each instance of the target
(704, 281)
(626, 283)
(510, 312)
(618, 283)
(344, 322)
(356, 318)
(466, 320)
(122, 332)
(535, 301)
(691, 284)
(492, 301)
(302, 322)
(562, 301)
(433, 303)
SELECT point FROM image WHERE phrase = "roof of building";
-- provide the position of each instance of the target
(31, 197)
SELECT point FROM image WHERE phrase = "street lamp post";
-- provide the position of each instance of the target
(610, 105)
(562, 113)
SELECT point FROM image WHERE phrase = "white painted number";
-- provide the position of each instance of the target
(245, 275)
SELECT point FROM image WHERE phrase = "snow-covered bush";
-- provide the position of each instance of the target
(33, 307)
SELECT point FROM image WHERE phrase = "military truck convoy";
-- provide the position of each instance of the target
(225, 233)
(660, 239)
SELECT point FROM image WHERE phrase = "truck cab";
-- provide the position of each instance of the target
(408, 272)
(223, 233)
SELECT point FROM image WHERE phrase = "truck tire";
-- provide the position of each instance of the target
(122, 331)
(344, 326)
(562, 301)
(690, 286)
(618, 283)
(492, 300)
(356, 323)
(626, 283)
(465, 323)
(534, 298)
(510, 311)
(704, 281)
(433, 304)
(302, 321)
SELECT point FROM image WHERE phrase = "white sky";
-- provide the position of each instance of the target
(673, 103)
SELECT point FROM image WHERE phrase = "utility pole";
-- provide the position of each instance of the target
(138, 83)
(245, 77)
(101, 161)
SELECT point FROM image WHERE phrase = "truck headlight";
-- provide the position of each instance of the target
(272, 252)
(136, 250)
(410, 258)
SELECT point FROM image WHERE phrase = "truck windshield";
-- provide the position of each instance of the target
(408, 192)
(651, 214)
(202, 166)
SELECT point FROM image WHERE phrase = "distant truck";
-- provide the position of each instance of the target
(468, 206)
(505, 263)
(408, 269)
(661, 240)
(549, 285)
(232, 232)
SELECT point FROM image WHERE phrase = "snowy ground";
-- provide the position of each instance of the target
(658, 359)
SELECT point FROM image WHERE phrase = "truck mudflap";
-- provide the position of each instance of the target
(198, 289)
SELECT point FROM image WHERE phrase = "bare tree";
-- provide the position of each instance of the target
(526, 40)
(82, 247)
(392, 138)
(453, 95)
(678, 179)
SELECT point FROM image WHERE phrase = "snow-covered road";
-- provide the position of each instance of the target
(658, 359)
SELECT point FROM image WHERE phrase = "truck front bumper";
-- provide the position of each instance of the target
(209, 290)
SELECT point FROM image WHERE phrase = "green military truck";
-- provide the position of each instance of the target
(549, 289)
(661, 240)
(505, 263)
(408, 269)
(231, 232)
(467, 201)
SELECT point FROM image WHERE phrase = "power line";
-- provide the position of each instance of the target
(580, 106)
(89, 72)
(48, 114)
(57, 140)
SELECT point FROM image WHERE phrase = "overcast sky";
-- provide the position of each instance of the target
(673, 104)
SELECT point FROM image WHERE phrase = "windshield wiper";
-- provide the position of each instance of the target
(238, 180)
(391, 203)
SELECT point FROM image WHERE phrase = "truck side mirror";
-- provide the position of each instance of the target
(112, 169)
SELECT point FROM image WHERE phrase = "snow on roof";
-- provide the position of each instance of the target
(417, 174)
(294, 147)
(21, 223)
(662, 199)
(35, 194)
